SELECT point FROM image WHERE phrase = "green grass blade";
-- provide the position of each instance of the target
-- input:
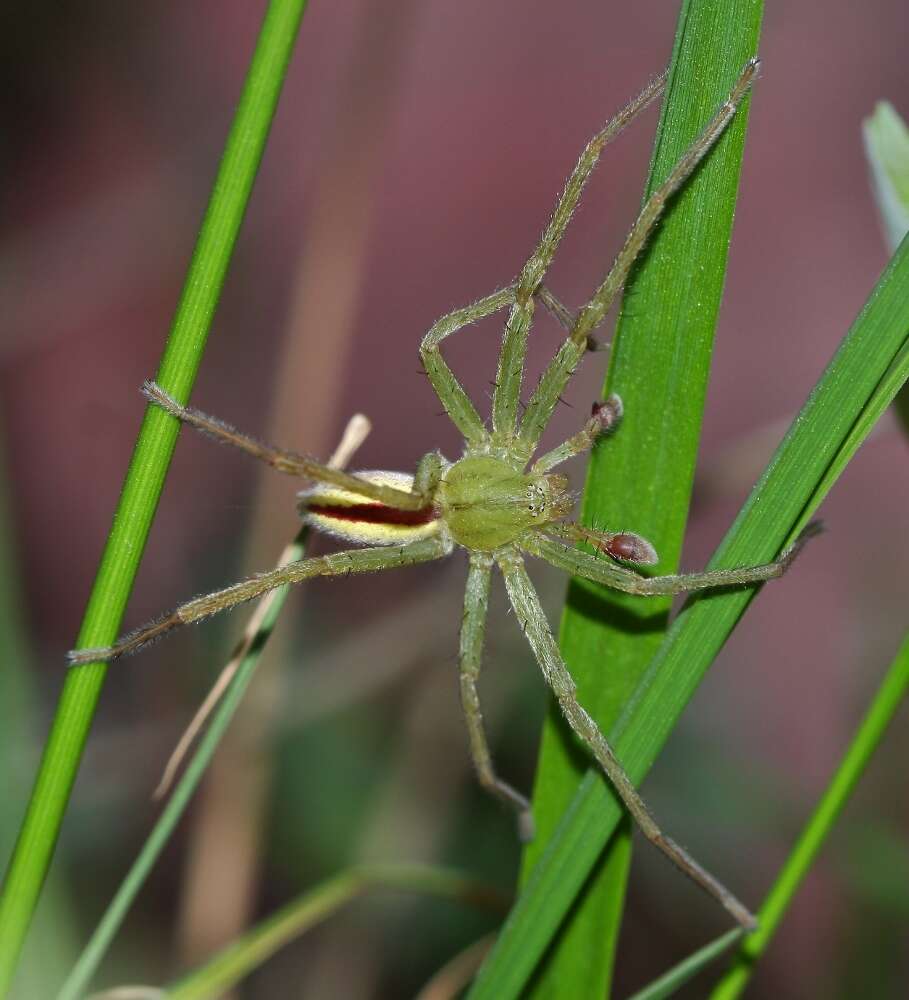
(887, 149)
(145, 477)
(100, 941)
(245, 955)
(886, 701)
(868, 368)
(886, 140)
(687, 969)
(641, 477)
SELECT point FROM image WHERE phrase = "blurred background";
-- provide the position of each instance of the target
(417, 151)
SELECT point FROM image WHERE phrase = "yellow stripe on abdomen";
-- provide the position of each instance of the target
(355, 518)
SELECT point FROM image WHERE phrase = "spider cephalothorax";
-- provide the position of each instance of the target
(490, 502)
(484, 503)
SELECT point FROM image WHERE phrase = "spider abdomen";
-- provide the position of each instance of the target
(355, 518)
(485, 503)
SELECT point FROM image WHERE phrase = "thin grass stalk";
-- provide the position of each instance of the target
(672, 981)
(239, 959)
(145, 477)
(887, 700)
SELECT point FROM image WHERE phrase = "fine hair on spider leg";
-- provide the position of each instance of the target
(489, 502)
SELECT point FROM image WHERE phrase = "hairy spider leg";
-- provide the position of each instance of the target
(533, 621)
(566, 318)
(428, 472)
(510, 371)
(334, 564)
(585, 565)
(560, 369)
(520, 298)
(473, 629)
(605, 417)
(562, 314)
(457, 403)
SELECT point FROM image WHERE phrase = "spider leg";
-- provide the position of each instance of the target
(283, 461)
(473, 627)
(514, 343)
(565, 317)
(604, 418)
(589, 567)
(569, 355)
(536, 628)
(334, 564)
(449, 390)
(558, 310)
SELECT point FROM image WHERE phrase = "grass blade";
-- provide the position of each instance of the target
(887, 149)
(145, 477)
(886, 139)
(660, 366)
(688, 968)
(864, 374)
(866, 740)
(245, 955)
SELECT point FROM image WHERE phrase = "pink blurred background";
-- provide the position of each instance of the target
(416, 153)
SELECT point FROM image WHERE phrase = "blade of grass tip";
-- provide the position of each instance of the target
(145, 477)
(246, 954)
(687, 969)
(785, 497)
(867, 738)
(239, 672)
(887, 150)
(660, 364)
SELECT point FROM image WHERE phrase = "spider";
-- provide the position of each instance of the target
(492, 502)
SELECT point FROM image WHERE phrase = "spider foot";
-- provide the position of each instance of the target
(526, 826)
(812, 530)
(605, 414)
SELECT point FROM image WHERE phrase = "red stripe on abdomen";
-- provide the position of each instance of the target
(374, 513)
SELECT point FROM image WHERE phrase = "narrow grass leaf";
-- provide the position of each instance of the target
(887, 149)
(641, 477)
(686, 970)
(889, 697)
(145, 477)
(245, 955)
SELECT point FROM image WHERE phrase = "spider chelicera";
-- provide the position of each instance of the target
(492, 502)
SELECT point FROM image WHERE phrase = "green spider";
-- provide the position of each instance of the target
(489, 502)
